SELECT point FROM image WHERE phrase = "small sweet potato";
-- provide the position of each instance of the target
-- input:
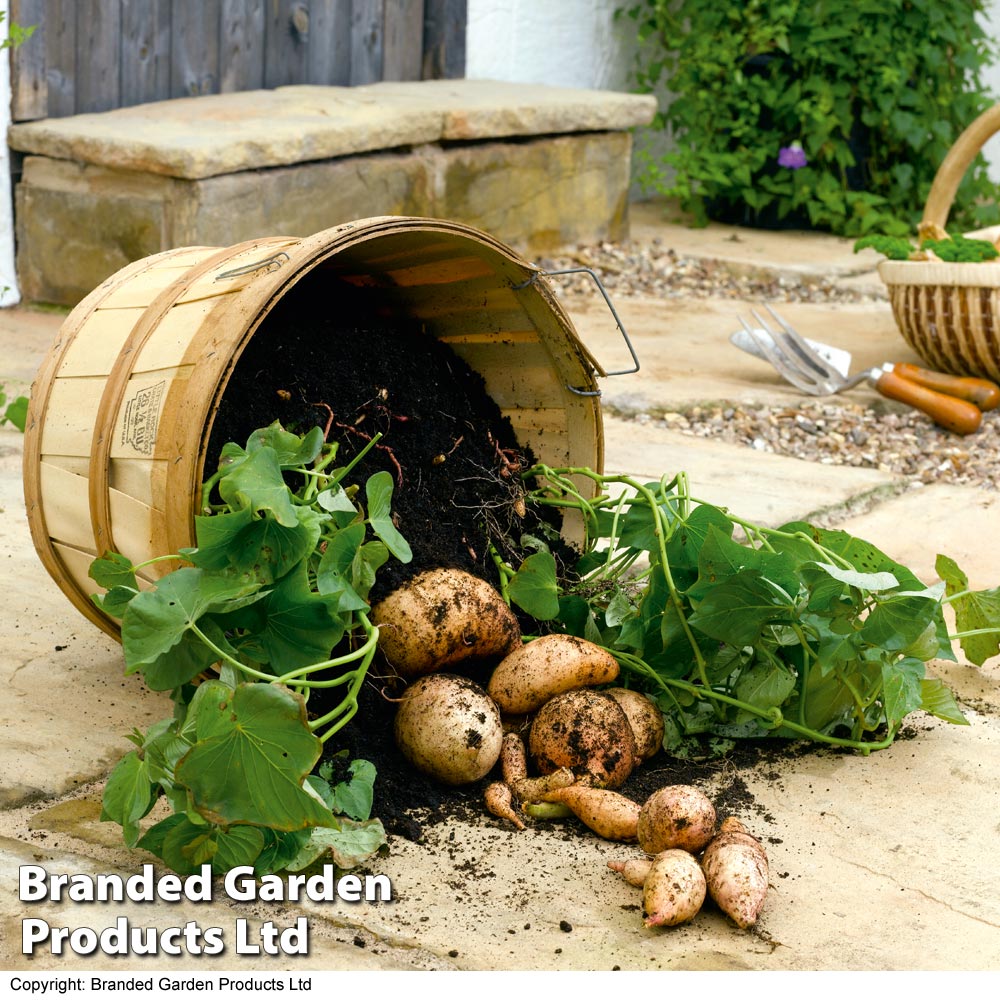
(609, 814)
(736, 872)
(513, 758)
(534, 673)
(634, 871)
(673, 890)
(500, 802)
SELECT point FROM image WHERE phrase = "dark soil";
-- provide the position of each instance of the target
(320, 358)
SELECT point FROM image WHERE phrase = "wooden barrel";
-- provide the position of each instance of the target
(122, 407)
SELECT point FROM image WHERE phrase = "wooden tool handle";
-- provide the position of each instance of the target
(984, 393)
(956, 415)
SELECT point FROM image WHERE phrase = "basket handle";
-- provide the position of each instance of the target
(955, 164)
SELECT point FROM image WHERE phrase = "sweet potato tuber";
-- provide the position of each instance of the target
(500, 802)
(537, 671)
(513, 758)
(674, 889)
(676, 816)
(644, 717)
(609, 814)
(441, 618)
(586, 731)
(449, 728)
(736, 872)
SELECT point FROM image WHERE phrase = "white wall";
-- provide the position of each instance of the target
(567, 43)
(9, 294)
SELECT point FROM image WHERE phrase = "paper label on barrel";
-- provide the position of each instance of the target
(142, 415)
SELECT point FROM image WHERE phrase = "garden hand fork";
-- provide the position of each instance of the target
(819, 370)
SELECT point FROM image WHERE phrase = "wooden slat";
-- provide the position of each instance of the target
(28, 82)
(194, 48)
(288, 33)
(404, 40)
(141, 478)
(173, 334)
(98, 35)
(367, 35)
(60, 53)
(69, 418)
(145, 51)
(95, 348)
(65, 503)
(330, 43)
(135, 524)
(444, 39)
(241, 60)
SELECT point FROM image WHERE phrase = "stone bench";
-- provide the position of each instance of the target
(538, 167)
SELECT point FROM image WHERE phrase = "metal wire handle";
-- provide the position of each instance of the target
(604, 292)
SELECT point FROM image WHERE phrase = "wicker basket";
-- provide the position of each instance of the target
(950, 313)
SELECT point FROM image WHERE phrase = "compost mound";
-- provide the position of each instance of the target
(323, 358)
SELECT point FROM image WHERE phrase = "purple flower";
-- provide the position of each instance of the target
(792, 156)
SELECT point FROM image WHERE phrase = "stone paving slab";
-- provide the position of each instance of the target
(766, 489)
(685, 355)
(198, 137)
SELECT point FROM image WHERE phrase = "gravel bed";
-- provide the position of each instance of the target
(656, 270)
(906, 444)
(903, 442)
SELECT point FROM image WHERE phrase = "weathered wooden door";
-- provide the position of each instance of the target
(94, 55)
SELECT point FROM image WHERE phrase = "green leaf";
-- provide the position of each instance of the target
(253, 753)
(974, 610)
(862, 555)
(350, 844)
(901, 688)
(737, 610)
(279, 849)
(639, 526)
(255, 548)
(129, 794)
(378, 490)
(535, 588)
(115, 601)
(291, 450)
(872, 582)
(256, 484)
(157, 620)
(153, 839)
(937, 699)
(765, 685)
(186, 846)
(299, 627)
(898, 620)
(335, 573)
(354, 796)
(113, 570)
(16, 412)
(690, 534)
